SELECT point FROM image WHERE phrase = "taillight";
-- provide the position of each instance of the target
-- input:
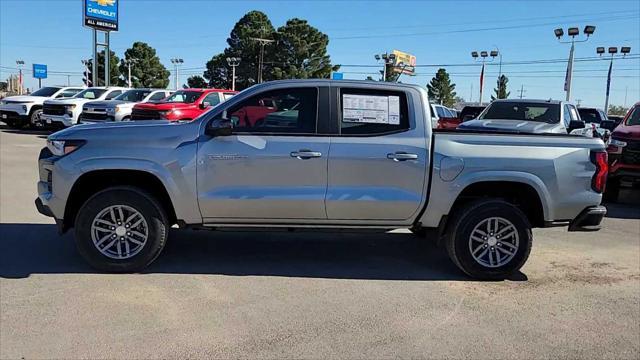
(599, 180)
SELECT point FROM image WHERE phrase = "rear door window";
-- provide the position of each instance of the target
(372, 112)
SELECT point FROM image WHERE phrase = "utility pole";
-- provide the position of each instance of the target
(68, 80)
(20, 64)
(233, 62)
(176, 62)
(263, 43)
(612, 51)
(129, 63)
(522, 90)
(573, 32)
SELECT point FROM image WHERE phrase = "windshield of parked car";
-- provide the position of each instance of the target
(589, 115)
(542, 112)
(133, 95)
(90, 93)
(45, 91)
(182, 96)
(634, 118)
(470, 112)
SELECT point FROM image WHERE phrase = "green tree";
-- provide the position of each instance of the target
(617, 110)
(501, 88)
(146, 68)
(441, 90)
(196, 81)
(114, 72)
(242, 44)
(301, 52)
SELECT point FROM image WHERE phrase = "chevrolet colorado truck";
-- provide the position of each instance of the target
(66, 112)
(25, 110)
(331, 154)
(119, 109)
(183, 105)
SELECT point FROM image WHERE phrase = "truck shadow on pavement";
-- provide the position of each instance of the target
(27, 249)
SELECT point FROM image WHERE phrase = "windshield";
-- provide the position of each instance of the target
(542, 112)
(90, 93)
(634, 118)
(589, 115)
(184, 96)
(133, 95)
(45, 91)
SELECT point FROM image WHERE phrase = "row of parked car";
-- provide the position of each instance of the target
(67, 106)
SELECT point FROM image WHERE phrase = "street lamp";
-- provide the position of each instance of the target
(176, 62)
(612, 51)
(233, 62)
(573, 32)
(483, 57)
(388, 59)
(20, 64)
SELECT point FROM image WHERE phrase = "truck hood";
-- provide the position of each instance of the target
(631, 132)
(25, 99)
(161, 106)
(519, 126)
(105, 103)
(70, 101)
(143, 128)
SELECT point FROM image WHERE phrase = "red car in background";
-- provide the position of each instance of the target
(624, 153)
(182, 105)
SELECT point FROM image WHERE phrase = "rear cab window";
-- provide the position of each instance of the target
(371, 112)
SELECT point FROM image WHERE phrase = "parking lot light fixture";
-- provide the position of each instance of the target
(483, 57)
(625, 50)
(474, 54)
(600, 50)
(233, 62)
(574, 31)
(589, 30)
(176, 62)
(388, 59)
(20, 64)
(558, 33)
(613, 50)
(484, 54)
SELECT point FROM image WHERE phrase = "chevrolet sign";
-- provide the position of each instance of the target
(101, 14)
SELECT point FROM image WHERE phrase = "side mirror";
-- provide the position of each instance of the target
(609, 125)
(221, 126)
(204, 105)
(576, 124)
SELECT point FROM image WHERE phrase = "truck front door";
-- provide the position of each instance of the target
(274, 168)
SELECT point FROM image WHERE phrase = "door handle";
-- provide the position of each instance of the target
(305, 154)
(402, 156)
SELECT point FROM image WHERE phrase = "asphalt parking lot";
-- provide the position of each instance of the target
(309, 295)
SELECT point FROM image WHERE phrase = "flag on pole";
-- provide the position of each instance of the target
(482, 77)
(609, 77)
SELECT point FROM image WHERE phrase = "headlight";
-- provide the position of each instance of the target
(111, 111)
(618, 143)
(69, 109)
(615, 146)
(63, 147)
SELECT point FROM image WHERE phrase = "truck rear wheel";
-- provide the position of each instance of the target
(121, 229)
(489, 239)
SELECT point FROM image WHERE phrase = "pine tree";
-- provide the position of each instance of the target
(501, 88)
(146, 68)
(441, 90)
(196, 81)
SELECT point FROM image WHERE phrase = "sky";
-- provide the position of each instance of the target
(438, 33)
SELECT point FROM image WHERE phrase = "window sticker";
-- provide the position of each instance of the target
(371, 109)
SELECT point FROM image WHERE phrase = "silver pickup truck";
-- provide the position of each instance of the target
(318, 154)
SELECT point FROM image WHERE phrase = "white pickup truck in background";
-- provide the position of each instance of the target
(24, 110)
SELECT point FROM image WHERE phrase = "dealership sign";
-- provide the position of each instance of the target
(39, 71)
(101, 14)
(405, 63)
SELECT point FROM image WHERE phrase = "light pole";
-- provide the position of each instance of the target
(483, 56)
(87, 78)
(233, 62)
(176, 62)
(387, 59)
(498, 52)
(263, 43)
(573, 32)
(20, 64)
(612, 50)
(129, 63)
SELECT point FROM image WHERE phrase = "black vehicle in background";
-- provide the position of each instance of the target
(596, 116)
(470, 113)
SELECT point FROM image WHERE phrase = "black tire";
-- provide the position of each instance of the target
(612, 190)
(419, 231)
(137, 199)
(461, 226)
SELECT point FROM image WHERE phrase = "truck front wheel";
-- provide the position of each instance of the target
(489, 239)
(121, 229)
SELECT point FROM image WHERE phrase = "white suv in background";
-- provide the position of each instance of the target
(66, 112)
(24, 110)
(119, 109)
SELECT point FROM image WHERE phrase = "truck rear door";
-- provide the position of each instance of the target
(378, 161)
